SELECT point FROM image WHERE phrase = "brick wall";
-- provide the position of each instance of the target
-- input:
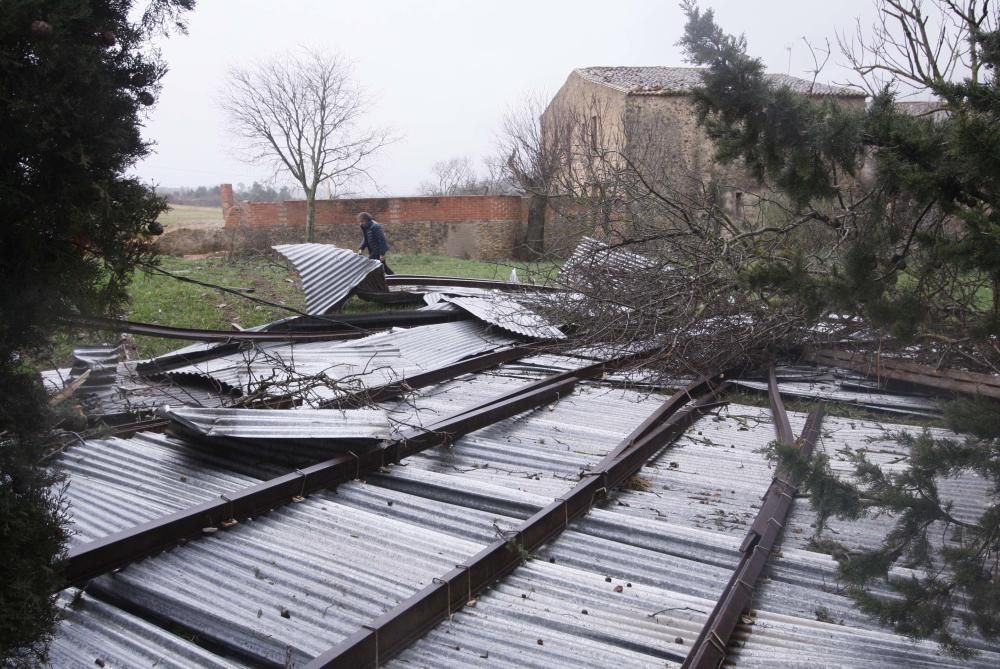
(485, 227)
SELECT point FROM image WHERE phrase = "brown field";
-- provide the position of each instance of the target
(186, 217)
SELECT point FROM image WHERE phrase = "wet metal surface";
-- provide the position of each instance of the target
(328, 273)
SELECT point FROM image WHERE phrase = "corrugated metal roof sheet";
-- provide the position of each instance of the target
(328, 273)
(630, 579)
(55, 380)
(594, 264)
(508, 313)
(92, 633)
(827, 388)
(844, 436)
(119, 389)
(96, 358)
(322, 371)
(289, 583)
(115, 484)
(438, 306)
(271, 424)
(547, 615)
(776, 640)
(460, 291)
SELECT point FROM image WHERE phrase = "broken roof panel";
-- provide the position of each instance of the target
(262, 588)
(850, 389)
(508, 313)
(594, 264)
(367, 548)
(325, 370)
(118, 389)
(328, 272)
(325, 424)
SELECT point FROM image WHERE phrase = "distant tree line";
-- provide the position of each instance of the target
(458, 176)
(210, 196)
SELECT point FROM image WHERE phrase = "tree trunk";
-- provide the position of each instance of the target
(311, 215)
(534, 241)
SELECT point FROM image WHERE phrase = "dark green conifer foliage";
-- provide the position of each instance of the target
(918, 249)
(74, 78)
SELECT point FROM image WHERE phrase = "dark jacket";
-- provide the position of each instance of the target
(374, 240)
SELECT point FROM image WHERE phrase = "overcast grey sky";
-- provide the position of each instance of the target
(442, 72)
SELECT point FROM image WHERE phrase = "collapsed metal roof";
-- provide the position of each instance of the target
(252, 537)
(629, 584)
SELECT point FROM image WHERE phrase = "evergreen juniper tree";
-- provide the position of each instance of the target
(75, 76)
(916, 255)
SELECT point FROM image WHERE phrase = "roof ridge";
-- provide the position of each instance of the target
(667, 79)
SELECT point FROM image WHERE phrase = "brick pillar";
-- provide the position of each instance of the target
(226, 193)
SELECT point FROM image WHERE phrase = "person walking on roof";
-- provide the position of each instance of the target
(374, 240)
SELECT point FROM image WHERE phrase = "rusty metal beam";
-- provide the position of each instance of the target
(315, 328)
(373, 320)
(223, 336)
(476, 363)
(672, 405)
(392, 632)
(876, 366)
(709, 650)
(781, 425)
(459, 282)
(97, 557)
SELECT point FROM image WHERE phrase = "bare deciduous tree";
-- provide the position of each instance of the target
(304, 114)
(458, 176)
(918, 44)
(530, 162)
(455, 176)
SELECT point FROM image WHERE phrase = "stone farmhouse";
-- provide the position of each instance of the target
(648, 114)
